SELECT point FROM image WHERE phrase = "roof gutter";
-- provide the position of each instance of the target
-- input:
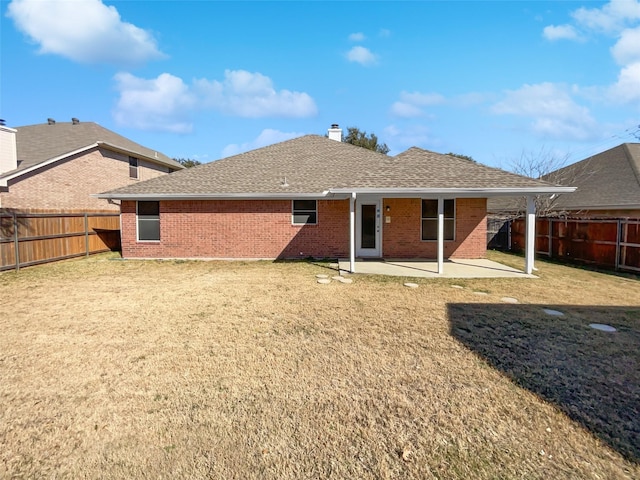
(214, 196)
(115, 148)
(458, 192)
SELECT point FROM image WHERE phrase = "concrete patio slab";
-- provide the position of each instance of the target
(479, 268)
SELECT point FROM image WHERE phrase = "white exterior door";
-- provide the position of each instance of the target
(368, 228)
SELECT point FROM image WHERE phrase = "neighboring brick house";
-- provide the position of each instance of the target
(317, 197)
(58, 166)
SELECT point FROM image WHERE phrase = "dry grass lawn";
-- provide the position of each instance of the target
(134, 369)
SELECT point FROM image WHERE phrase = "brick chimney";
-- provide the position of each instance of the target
(8, 151)
(335, 133)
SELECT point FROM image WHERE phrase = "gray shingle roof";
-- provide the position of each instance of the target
(313, 164)
(608, 179)
(38, 143)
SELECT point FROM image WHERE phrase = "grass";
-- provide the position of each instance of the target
(126, 369)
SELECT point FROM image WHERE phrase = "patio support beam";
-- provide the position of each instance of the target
(440, 235)
(352, 233)
(530, 244)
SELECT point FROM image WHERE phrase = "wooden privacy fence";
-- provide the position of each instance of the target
(32, 238)
(608, 243)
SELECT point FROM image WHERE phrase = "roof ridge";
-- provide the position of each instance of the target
(635, 166)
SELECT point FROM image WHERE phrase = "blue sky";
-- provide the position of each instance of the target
(208, 79)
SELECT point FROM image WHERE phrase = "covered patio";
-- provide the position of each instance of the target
(476, 268)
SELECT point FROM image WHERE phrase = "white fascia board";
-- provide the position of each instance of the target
(457, 192)
(19, 173)
(131, 153)
(214, 196)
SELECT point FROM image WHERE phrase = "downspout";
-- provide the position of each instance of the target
(352, 233)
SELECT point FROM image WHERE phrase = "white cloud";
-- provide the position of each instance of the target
(357, 37)
(252, 95)
(362, 56)
(165, 103)
(552, 110)
(161, 104)
(422, 99)
(85, 31)
(412, 104)
(612, 17)
(266, 137)
(405, 110)
(627, 88)
(410, 136)
(560, 32)
(627, 48)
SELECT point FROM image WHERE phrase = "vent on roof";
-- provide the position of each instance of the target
(51, 121)
(2, 123)
(75, 121)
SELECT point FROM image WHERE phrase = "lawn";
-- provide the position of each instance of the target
(149, 369)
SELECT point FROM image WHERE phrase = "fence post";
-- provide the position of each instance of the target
(618, 238)
(16, 241)
(86, 233)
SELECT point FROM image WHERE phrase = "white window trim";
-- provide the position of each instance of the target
(455, 219)
(293, 213)
(138, 224)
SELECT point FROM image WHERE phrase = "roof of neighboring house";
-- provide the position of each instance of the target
(317, 166)
(40, 143)
(606, 181)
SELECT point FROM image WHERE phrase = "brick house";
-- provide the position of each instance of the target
(317, 197)
(57, 166)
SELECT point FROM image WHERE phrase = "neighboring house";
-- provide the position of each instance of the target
(608, 186)
(57, 166)
(318, 197)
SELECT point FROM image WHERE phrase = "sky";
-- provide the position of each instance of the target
(494, 80)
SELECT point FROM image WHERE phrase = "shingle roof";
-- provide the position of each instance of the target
(610, 179)
(38, 143)
(314, 165)
(607, 180)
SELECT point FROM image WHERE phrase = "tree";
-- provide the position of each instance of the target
(187, 162)
(357, 137)
(464, 157)
(552, 168)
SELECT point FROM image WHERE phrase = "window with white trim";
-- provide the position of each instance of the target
(304, 212)
(430, 219)
(148, 221)
(133, 167)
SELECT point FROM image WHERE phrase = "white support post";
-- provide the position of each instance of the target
(440, 236)
(352, 233)
(530, 245)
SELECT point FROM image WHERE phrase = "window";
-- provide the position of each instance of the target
(133, 167)
(148, 215)
(304, 212)
(430, 219)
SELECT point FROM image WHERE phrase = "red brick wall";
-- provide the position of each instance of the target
(239, 229)
(68, 184)
(262, 229)
(402, 237)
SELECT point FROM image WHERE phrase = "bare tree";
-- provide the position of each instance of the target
(553, 168)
